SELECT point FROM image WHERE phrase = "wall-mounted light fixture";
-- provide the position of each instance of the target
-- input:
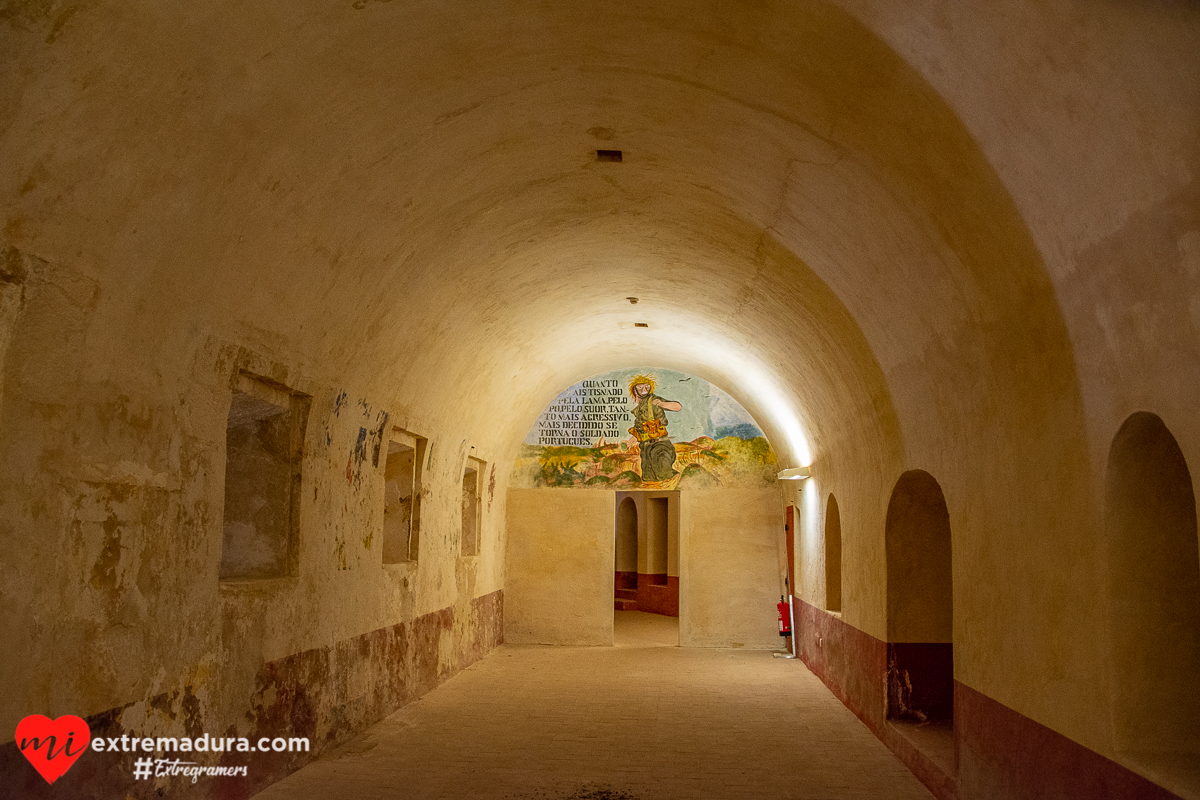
(794, 474)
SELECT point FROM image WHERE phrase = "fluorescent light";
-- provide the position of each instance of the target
(795, 474)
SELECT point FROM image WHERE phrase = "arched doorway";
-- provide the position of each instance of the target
(625, 574)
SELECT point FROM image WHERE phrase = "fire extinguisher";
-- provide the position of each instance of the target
(785, 617)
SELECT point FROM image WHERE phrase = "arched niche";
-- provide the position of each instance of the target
(626, 547)
(1154, 591)
(833, 555)
(919, 601)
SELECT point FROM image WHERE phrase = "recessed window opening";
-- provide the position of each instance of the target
(471, 506)
(402, 497)
(833, 555)
(264, 442)
(1154, 597)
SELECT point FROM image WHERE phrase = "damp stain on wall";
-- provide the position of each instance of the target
(491, 486)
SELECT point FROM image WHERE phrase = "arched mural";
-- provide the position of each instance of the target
(644, 428)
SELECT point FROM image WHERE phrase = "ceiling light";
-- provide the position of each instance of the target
(794, 474)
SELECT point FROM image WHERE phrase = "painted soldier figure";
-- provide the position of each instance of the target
(650, 430)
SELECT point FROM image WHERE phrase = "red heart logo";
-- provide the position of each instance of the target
(52, 745)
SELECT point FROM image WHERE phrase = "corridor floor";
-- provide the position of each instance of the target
(643, 720)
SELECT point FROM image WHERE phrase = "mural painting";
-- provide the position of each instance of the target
(642, 428)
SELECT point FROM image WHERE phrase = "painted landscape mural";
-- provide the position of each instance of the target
(644, 428)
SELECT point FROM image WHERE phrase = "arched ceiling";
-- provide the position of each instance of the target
(404, 195)
(936, 235)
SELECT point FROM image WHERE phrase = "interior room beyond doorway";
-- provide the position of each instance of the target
(646, 557)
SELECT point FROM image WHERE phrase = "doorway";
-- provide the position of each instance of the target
(646, 569)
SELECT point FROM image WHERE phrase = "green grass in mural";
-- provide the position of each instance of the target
(704, 463)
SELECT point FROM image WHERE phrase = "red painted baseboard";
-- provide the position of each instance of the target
(1009, 755)
(297, 695)
(1000, 753)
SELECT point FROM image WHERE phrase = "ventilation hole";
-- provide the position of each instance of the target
(641, 324)
(608, 155)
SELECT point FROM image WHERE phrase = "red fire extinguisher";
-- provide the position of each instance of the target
(785, 617)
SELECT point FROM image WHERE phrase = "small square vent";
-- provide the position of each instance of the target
(608, 155)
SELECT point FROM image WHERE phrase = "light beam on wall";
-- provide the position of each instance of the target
(759, 384)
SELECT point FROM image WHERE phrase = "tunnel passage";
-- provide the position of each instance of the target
(902, 234)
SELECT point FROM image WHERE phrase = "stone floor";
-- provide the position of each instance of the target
(644, 720)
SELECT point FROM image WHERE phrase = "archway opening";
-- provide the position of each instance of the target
(920, 695)
(625, 573)
(1154, 598)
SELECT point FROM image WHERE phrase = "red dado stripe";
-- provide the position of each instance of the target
(298, 695)
(1001, 753)
(1010, 753)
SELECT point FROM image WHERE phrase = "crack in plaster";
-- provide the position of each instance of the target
(764, 109)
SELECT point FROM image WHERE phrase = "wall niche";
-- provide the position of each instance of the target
(264, 444)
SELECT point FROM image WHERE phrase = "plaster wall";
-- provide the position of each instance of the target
(1112, 207)
(729, 577)
(112, 512)
(561, 549)
(560, 567)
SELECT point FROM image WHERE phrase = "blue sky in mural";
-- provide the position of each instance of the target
(707, 410)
